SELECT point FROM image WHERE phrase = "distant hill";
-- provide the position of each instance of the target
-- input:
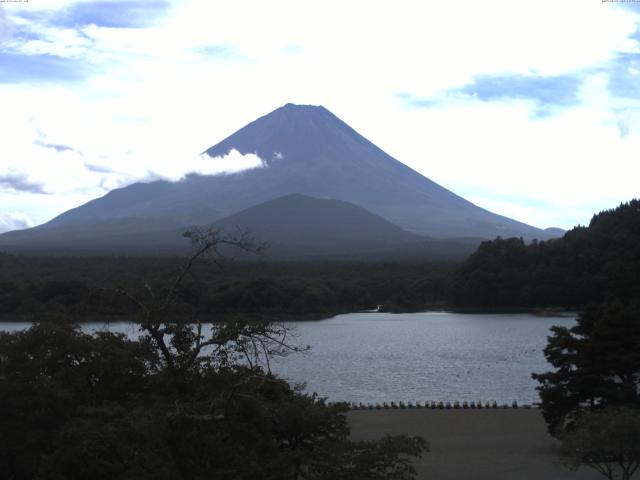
(553, 232)
(307, 150)
(298, 225)
(586, 265)
(306, 223)
(295, 226)
(107, 236)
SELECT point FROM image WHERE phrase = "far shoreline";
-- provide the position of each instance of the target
(280, 317)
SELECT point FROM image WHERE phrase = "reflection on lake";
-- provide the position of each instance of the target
(423, 356)
(374, 357)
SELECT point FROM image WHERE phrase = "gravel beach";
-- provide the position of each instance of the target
(487, 444)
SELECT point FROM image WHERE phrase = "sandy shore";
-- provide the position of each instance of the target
(473, 444)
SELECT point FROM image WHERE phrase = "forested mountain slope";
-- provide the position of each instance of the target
(587, 265)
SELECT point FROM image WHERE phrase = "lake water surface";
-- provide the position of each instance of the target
(375, 357)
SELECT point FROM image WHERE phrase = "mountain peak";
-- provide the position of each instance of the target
(301, 132)
(295, 106)
(308, 150)
(300, 111)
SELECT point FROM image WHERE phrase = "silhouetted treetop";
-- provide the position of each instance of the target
(588, 264)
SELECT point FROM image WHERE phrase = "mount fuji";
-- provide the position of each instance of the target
(305, 150)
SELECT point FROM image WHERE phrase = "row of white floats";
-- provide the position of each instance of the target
(437, 405)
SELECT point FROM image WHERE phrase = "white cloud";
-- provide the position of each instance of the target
(233, 162)
(41, 6)
(6, 28)
(156, 97)
(74, 158)
(567, 166)
(14, 221)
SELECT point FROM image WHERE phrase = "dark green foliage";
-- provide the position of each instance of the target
(367, 460)
(50, 372)
(183, 402)
(596, 362)
(287, 295)
(586, 265)
(77, 406)
(81, 288)
(607, 441)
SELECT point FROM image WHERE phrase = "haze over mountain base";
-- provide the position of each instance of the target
(379, 204)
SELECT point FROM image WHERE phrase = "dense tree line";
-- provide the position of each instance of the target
(591, 398)
(84, 287)
(184, 401)
(77, 406)
(596, 364)
(589, 264)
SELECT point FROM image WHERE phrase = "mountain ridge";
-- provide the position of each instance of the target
(306, 149)
(294, 226)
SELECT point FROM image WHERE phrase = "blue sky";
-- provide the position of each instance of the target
(531, 110)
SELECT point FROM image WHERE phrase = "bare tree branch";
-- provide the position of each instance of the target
(181, 340)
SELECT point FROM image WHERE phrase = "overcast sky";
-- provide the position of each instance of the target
(528, 108)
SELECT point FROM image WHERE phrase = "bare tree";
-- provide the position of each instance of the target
(183, 341)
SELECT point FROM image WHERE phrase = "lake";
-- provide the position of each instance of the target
(375, 357)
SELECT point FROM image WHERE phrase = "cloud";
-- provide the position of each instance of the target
(535, 212)
(632, 5)
(292, 49)
(218, 51)
(19, 182)
(14, 221)
(38, 53)
(33, 36)
(98, 168)
(102, 13)
(411, 100)
(623, 128)
(42, 140)
(135, 95)
(545, 92)
(6, 27)
(557, 90)
(232, 163)
(624, 75)
(574, 161)
(17, 68)
(55, 146)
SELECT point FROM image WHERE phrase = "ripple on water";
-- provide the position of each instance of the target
(423, 356)
(375, 357)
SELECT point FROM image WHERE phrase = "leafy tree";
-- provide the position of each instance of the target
(607, 441)
(47, 374)
(597, 364)
(589, 264)
(185, 401)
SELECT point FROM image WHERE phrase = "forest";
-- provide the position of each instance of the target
(184, 401)
(588, 265)
(104, 406)
(89, 287)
